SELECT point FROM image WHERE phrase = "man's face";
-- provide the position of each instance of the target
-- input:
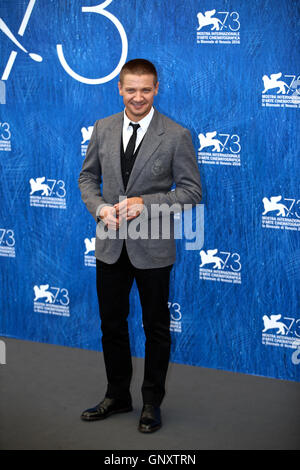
(138, 93)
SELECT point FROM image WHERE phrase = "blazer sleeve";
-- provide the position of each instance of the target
(90, 177)
(186, 176)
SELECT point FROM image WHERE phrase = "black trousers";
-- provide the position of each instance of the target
(114, 282)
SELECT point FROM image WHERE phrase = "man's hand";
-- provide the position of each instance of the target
(109, 216)
(129, 208)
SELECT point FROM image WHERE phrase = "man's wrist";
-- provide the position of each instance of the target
(98, 218)
(102, 212)
(99, 209)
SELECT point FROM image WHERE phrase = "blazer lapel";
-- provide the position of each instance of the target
(151, 142)
(115, 146)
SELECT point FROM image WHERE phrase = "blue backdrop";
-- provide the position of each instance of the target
(228, 71)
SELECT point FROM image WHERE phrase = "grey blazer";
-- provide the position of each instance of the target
(166, 156)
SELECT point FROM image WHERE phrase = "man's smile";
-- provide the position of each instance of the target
(138, 105)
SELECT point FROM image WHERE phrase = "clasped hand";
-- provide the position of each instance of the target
(128, 209)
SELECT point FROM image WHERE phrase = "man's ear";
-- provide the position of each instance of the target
(156, 88)
(120, 88)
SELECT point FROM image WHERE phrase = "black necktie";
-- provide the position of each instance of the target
(131, 144)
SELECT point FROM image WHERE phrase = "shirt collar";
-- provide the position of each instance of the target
(144, 123)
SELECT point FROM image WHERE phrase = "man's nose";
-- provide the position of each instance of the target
(139, 96)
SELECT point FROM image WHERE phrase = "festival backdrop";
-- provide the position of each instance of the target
(228, 71)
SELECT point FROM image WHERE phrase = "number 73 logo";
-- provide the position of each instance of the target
(100, 10)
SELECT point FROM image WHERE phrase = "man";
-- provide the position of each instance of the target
(137, 154)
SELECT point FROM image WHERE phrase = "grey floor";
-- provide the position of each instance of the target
(44, 388)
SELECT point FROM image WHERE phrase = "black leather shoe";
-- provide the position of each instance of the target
(106, 407)
(150, 419)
